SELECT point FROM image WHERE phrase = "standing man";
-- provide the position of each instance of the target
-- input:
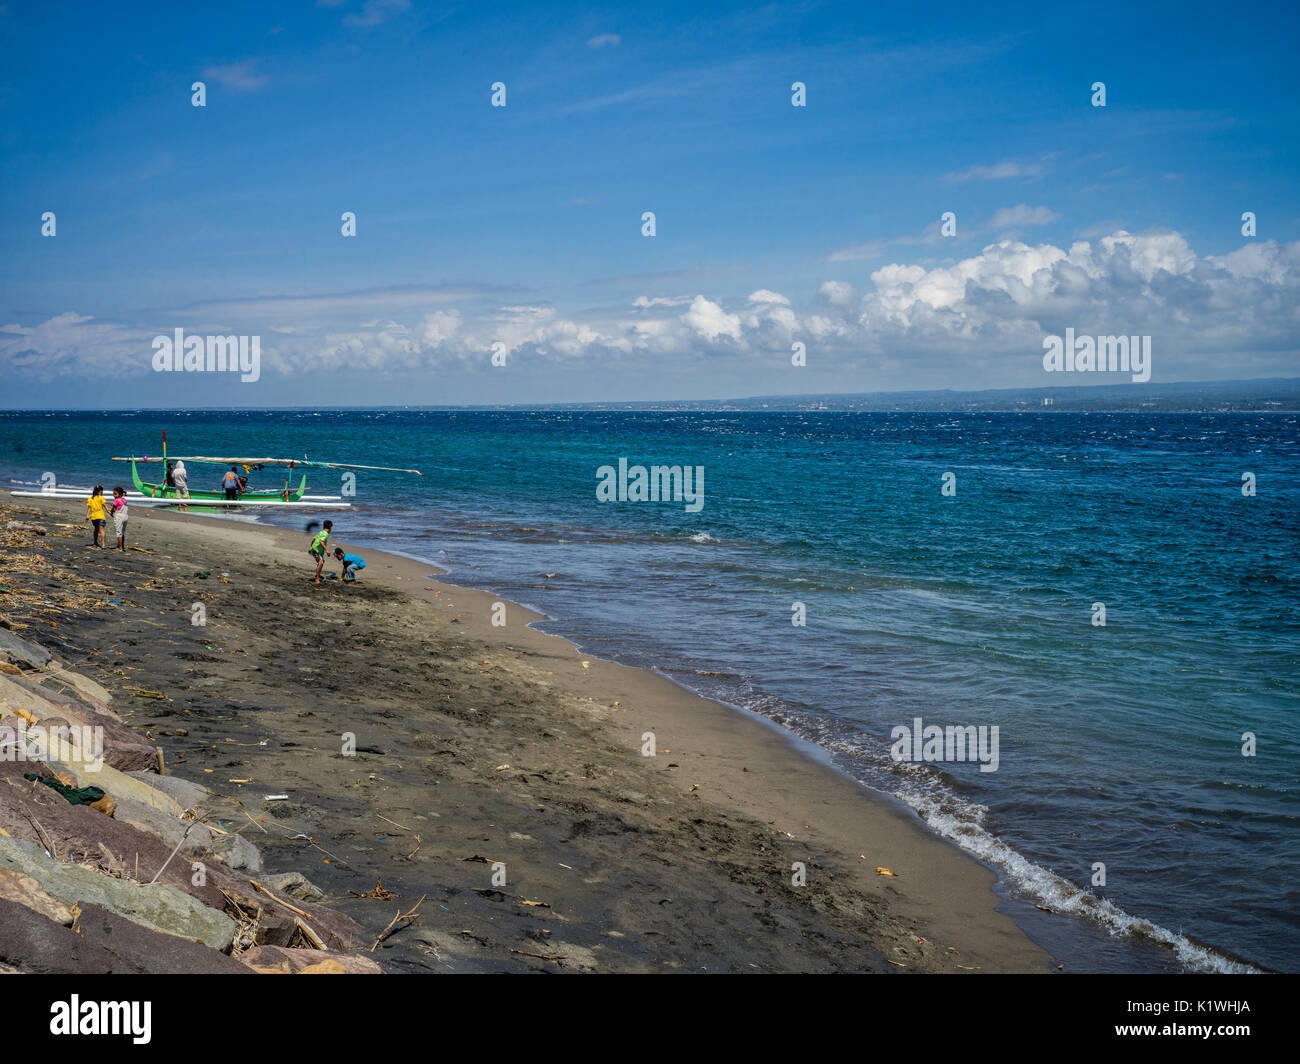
(230, 483)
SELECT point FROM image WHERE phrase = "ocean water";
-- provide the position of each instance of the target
(1118, 744)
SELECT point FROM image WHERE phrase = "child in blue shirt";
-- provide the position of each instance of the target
(352, 563)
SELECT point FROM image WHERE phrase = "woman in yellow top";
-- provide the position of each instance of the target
(97, 515)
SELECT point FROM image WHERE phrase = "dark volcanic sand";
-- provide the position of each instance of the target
(495, 743)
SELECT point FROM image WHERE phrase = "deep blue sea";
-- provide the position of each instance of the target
(1119, 744)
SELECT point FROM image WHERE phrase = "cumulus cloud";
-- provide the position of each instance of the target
(710, 320)
(1209, 316)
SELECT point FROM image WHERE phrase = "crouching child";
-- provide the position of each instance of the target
(352, 563)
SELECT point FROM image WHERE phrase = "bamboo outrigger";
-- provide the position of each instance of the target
(288, 493)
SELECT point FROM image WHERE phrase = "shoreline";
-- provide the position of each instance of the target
(938, 912)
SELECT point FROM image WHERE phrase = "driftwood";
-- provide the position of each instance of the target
(300, 918)
(392, 925)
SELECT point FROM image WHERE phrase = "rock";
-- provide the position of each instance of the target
(236, 852)
(31, 943)
(14, 886)
(294, 884)
(325, 967)
(167, 828)
(186, 794)
(119, 785)
(275, 930)
(136, 947)
(84, 685)
(21, 652)
(297, 961)
(123, 749)
(157, 906)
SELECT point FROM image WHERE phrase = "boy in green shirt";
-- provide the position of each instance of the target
(317, 548)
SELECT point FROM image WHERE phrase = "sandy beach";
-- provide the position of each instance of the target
(499, 773)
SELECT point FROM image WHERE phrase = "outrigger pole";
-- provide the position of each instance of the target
(290, 462)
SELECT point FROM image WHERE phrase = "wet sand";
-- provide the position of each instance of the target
(480, 746)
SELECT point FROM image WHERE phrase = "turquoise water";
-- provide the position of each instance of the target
(1119, 744)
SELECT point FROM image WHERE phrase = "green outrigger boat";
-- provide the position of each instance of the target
(286, 493)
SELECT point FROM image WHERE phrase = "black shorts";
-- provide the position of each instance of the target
(232, 493)
(98, 522)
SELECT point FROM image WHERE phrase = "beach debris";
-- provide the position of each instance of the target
(380, 892)
(885, 872)
(24, 526)
(1044, 908)
(490, 892)
(586, 664)
(418, 843)
(539, 956)
(477, 857)
(306, 930)
(393, 822)
(277, 798)
(403, 918)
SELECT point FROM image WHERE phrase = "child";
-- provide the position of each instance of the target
(317, 548)
(120, 515)
(352, 563)
(97, 515)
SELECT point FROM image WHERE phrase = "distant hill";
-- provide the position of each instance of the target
(1270, 394)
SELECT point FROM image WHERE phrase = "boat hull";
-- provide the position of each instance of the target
(161, 491)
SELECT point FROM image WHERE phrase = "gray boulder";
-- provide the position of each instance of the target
(236, 852)
(21, 652)
(186, 794)
(156, 906)
(294, 884)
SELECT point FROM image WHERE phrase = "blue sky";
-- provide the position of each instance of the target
(521, 226)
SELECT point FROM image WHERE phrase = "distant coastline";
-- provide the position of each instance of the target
(1267, 395)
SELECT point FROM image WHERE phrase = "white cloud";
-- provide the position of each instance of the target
(980, 318)
(872, 249)
(710, 320)
(999, 171)
(1022, 215)
(604, 40)
(238, 77)
(376, 11)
